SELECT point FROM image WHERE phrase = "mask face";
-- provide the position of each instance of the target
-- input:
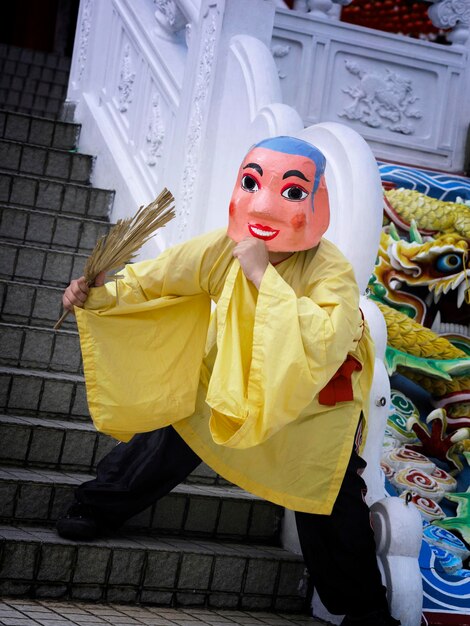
(273, 200)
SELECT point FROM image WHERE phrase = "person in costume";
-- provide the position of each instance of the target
(271, 391)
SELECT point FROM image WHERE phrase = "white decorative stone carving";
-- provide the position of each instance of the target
(452, 14)
(126, 82)
(381, 100)
(319, 8)
(279, 51)
(301, 6)
(448, 13)
(170, 16)
(323, 8)
(195, 127)
(156, 131)
(85, 26)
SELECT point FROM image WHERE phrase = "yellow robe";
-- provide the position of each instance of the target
(241, 387)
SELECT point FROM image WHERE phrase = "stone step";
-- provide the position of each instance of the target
(60, 445)
(39, 161)
(42, 265)
(40, 348)
(50, 230)
(58, 613)
(51, 195)
(35, 104)
(31, 304)
(41, 496)
(67, 445)
(33, 86)
(37, 131)
(42, 394)
(15, 54)
(166, 571)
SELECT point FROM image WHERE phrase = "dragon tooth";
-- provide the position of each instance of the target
(395, 284)
(436, 295)
(436, 325)
(429, 299)
(461, 294)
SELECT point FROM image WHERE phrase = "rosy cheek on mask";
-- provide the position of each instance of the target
(231, 209)
(298, 221)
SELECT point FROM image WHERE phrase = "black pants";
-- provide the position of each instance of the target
(338, 549)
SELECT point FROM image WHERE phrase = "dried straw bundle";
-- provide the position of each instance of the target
(125, 238)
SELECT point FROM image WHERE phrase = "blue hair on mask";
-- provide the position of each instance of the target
(297, 147)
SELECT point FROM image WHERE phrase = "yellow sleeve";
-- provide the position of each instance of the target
(184, 270)
(142, 357)
(275, 356)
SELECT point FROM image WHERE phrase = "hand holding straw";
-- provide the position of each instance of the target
(125, 239)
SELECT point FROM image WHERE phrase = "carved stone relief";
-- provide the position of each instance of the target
(381, 100)
(156, 131)
(85, 27)
(447, 13)
(452, 14)
(169, 15)
(126, 82)
(279, 51)
(200, 100)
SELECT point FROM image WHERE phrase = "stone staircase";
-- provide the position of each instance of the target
(207, 543)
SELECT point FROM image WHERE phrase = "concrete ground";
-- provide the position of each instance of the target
(18, 612)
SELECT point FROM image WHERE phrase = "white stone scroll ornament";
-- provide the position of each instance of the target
(355, 194)
(452, 14)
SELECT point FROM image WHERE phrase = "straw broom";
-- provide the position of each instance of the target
(125, 238)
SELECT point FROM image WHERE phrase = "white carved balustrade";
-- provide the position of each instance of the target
(408, 98)
(126, 82)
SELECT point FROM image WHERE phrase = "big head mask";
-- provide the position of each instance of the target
(280, 195)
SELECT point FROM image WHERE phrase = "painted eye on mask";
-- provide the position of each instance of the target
(249, 183)
(295, 193)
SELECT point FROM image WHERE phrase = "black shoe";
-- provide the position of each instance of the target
(78, 524)
(376, 618)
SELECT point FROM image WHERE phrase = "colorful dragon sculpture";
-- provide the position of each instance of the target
(421, 284)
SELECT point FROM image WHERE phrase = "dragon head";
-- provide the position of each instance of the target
(428, 279)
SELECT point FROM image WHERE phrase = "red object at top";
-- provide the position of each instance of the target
(394, 16)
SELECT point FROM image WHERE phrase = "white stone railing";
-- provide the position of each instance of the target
(126, 80)
(408, 98)
(444, 14)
